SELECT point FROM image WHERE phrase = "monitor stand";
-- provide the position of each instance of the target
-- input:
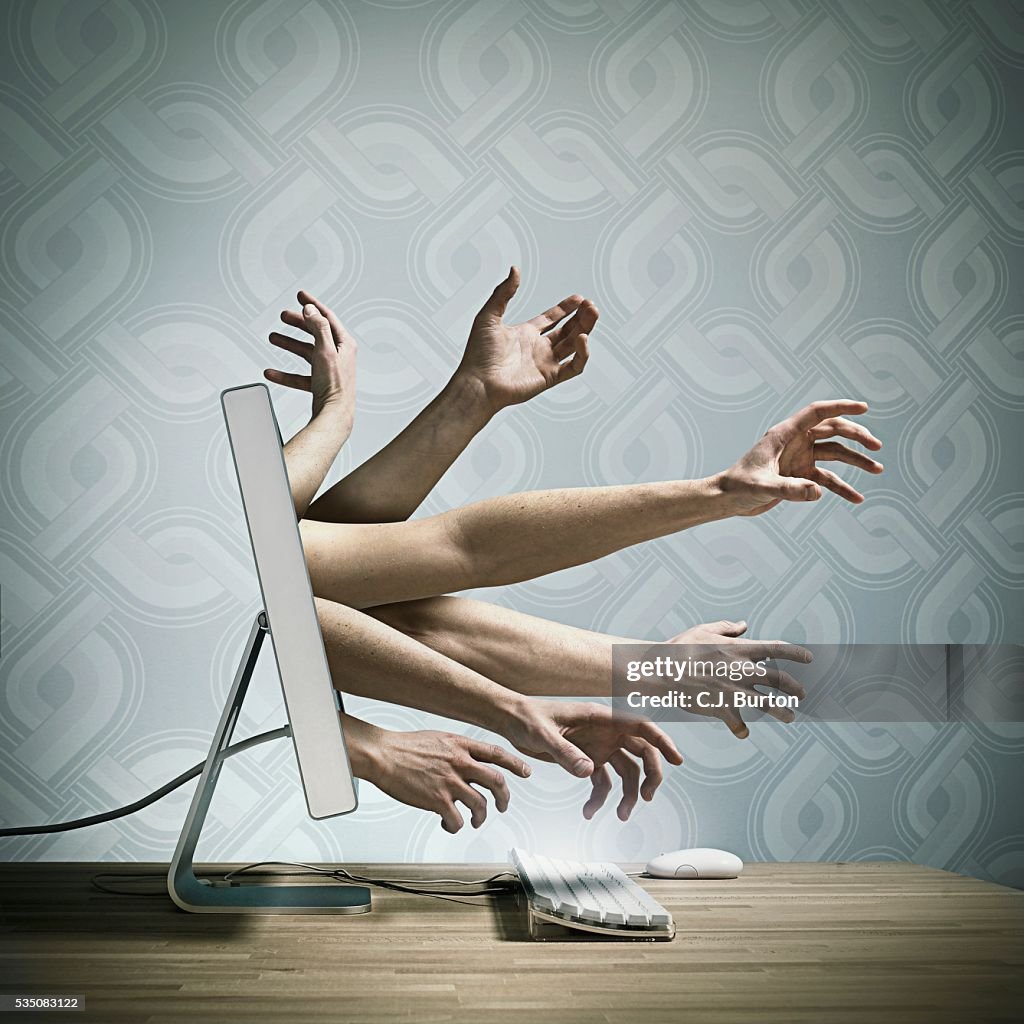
(201, 896)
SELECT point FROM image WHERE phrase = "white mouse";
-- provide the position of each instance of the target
(698, 863)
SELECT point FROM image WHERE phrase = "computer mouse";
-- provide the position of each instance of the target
(701, 862)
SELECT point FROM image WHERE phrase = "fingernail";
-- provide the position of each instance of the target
(810, 493)
(309, 309)
(582, 767)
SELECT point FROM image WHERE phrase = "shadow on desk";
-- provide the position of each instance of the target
(61, 900)
(784, 943)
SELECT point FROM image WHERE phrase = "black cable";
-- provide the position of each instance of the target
(339, 875)
(120, 812)
(313, 869)
(396, 884)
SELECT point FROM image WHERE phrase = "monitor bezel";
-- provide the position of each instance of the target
(312, 702)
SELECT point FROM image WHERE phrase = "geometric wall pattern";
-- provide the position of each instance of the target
(770, 201)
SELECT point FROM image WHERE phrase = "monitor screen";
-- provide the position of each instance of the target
(309, 694)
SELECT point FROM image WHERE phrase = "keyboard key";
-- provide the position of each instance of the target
(598, 895)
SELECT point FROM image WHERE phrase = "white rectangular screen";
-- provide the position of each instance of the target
(309, 694)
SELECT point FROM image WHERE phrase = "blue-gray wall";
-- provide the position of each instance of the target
(770, 202)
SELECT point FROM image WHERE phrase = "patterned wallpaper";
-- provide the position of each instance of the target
(770, 201)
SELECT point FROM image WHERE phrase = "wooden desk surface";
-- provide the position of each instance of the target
(785, 942)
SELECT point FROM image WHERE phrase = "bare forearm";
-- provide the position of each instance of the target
(523, 536)
(525, 653)
(310, 454)
(392, 484)
(499, 541)
(370, 659)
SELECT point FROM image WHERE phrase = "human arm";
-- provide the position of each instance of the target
(392, 484)
(310, 454)
(539, 657)
(521, 536)
(498, 541)
(503, 364)
(368, 658)
(526, 653)
(432, 770)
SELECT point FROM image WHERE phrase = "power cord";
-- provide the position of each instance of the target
(417, 887)
(413, 886)
(159, 794)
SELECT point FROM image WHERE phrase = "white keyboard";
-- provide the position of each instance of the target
(597, 898)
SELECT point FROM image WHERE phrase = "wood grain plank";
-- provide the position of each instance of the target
(785, 942)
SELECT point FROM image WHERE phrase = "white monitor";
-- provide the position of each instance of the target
(311, 701)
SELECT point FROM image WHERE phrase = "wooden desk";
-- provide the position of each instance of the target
(785, 942)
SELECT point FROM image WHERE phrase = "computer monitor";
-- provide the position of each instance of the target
(309, 694)
(311, 701)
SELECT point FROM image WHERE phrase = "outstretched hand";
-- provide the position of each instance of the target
(331, 357)
(515, 362)
(723, 643)
(783, 465)
(585, 738)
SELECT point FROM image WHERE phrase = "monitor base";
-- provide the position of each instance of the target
(200, 896)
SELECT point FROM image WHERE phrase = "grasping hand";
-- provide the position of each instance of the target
(628, 770)
(783, 465)
(433, 770)
(723, 643)
(331, 357)
(514, 362)
(584, 738)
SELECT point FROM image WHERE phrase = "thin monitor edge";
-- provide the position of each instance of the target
(309, 694)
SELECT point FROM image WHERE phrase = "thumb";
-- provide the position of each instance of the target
(494, 308)
(727, 628)
(794, 488)
(568, 756)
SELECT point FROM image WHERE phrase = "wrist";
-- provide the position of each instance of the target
(674, 505)
(468, 394)
(507, 716)
(725, 495)
(365, 744)
(336, 411)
